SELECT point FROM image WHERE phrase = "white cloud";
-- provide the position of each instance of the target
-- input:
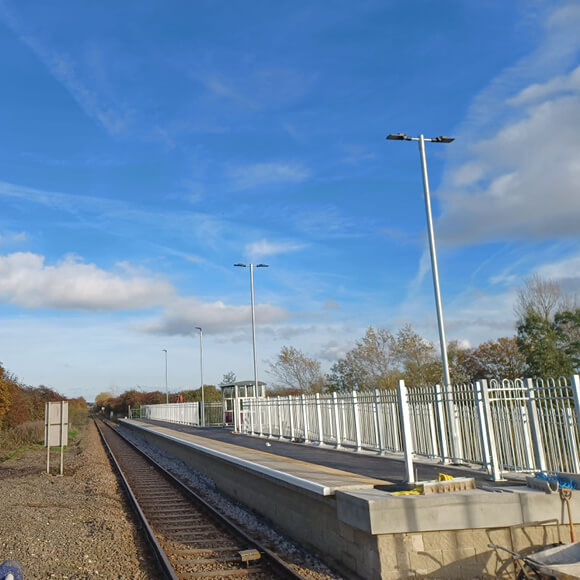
(264, 248)
(515, 174)
(261, 174)
(27, 281)
(184, 314)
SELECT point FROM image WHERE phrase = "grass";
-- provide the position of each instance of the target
(15, 441)
(30, 435)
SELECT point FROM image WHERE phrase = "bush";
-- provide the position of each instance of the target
(23, 435)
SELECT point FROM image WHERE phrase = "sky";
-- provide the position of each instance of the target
(147, 146)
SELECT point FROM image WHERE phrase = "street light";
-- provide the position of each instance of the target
(421, 139)
(456, 451)
(201, 373)
(253, 318)
(166, 391)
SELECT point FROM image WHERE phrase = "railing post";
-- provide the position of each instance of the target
(305, 419)
(535, 429)
(483, 427)
(356, 412)
(573, 417)
(292, 434)
(319, 419)
(269, 408)
(442, 431)
(406, 431)
(455, 440)
(378, 430)
(494, 459)
(251, 409)
(259, 409)
(280, 431)
(336, 420)
(433, 428)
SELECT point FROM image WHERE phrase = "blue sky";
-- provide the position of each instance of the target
(146, 147)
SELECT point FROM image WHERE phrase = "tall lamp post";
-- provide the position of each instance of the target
(201, 374)
(253, 319)
(442, 341)
(166, 390)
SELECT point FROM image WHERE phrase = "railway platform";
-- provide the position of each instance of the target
(341, 504)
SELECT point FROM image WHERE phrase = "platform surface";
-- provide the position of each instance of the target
(319, 479)
(387, 469)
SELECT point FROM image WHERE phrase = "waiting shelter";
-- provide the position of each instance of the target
(233, 397)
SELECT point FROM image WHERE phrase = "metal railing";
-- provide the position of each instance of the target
(182, 413)
(524, 425)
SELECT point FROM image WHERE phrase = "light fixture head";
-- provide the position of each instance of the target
(262, 266)
(240, 265)
(443, 139)
(398, 137)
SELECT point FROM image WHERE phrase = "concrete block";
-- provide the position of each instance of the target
(426, 562)
(456, 555)
(444, 540)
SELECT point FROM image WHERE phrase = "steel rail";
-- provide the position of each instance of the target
(160, 557)
(269, 558)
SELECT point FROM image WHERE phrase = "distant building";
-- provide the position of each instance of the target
(233, 397)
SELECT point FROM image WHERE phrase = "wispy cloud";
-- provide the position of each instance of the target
(263, 248)
(263, 174)
(13, 237)
(96, 103)
(27, 281)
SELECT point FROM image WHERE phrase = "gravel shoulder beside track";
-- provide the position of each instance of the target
(75, 526)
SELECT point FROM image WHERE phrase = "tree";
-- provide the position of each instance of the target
(501, 359)
(458, 358)
(567, 328)
(228, 378)
(416, 357)
(8, 386)
(369, 365)
(538, 340)
(294, 370)
(541, 296)
(102, 398)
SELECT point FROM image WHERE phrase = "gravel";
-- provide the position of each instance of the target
(80, 525)
(75, 526)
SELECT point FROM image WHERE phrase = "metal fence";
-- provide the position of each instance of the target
(182, 413)
(524, 425)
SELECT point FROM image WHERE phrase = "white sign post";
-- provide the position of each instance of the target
(55, 430)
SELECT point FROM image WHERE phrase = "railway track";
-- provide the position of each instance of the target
(190, 539)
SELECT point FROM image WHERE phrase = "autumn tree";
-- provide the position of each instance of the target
(501, 359)
(416, 358)
(458, 359)
(8, 386)
(370, 364)
(211, 394)
(102, 398)
(292, 369)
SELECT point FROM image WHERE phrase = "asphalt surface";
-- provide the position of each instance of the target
(386, 467)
